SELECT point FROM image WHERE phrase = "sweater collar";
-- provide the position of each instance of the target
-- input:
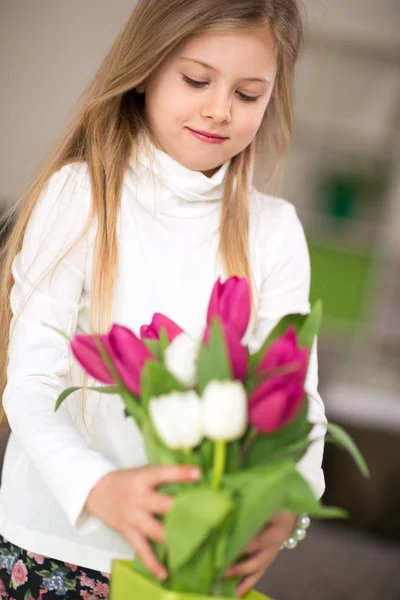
(173, 189)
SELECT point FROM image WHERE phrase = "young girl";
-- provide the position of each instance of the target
(146, 201)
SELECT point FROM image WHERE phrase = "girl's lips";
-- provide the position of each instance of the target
(207, 138)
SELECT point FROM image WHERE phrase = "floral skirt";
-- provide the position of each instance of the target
(28, 576)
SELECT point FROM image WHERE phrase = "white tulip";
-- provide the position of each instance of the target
(224, 410)
(181, 359)
(177, 418)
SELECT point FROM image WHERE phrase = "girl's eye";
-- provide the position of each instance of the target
(246, 98)
(193, 82)
(200, 84)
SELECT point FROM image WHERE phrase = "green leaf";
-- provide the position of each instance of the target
(226, 587)
(140, 568)
(156, 381)
(267, 447)
(44, 573)
(57, 331)
(343, 439)
(196, 575)
(296, 450)
(233, 457)
(157, 453)
(133, 408)
(70, 585)
(206, 454)
(213, 361)
(260, 493)
(164, 341)
(112, 389)
(194, 516)
(311, 326)
(155, 348)
(223, 536)
(300, 498)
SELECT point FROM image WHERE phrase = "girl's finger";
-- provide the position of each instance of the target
(270, 536)
(248, 583)
(159, 504)
(146, 554)
(250, 566)
(157, 476)
(256, 543)
(150, 527)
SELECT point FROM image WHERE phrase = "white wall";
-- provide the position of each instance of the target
(375, 20)
(49, 50)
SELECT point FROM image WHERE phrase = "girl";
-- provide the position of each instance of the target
(145, 202)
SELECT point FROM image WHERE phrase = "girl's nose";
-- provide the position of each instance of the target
(218, 108)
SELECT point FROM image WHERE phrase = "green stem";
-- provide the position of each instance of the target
(132, 406)
(219, 463)
(250, 437)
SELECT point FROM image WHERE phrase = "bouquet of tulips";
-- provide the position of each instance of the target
(240, 417)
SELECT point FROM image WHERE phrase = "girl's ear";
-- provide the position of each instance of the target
(140, 89)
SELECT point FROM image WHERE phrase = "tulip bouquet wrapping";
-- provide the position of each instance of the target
(240, 417)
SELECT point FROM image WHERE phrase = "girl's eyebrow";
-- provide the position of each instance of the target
(203, 64)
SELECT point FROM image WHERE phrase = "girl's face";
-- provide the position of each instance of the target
(229, 100)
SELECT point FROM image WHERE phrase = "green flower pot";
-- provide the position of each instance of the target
(126, 584)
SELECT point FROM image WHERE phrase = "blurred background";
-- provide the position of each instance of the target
(343, 176)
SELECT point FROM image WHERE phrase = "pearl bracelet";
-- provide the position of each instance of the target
(298, 534)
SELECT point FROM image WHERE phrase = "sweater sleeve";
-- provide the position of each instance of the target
(38, 357)
(285, 290)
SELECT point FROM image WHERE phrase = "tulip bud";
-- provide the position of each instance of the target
(159, 321)
(87, 353)
(181, 359)
(129, 355)
(277, 399)
(177, 418)
(224, 410)
(126, 351)
(231, 301)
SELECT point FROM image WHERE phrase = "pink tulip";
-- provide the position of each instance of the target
(125, 350)
(152, 331)
(236, 352)
(85, 350)
(232, 302)
(277, 399)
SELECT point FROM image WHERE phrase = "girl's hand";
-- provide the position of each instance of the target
(127, 501)
(262, 551)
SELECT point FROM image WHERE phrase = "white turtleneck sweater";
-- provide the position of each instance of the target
(168, 263)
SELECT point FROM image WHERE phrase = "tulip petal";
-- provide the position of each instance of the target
(213, 305)
(224, 410)
(177, 418)
(173, 330)
(85, 350)
(236, 304)
(275, 403)
(232, 302)
(148, 333)
(267, 416)
(130, 355)
(158, 321)
(237, 353)
(181, 359)
(282, 351)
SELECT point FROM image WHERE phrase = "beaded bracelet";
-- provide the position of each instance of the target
(298, 534)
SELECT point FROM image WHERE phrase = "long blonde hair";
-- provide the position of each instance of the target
(110, 117)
